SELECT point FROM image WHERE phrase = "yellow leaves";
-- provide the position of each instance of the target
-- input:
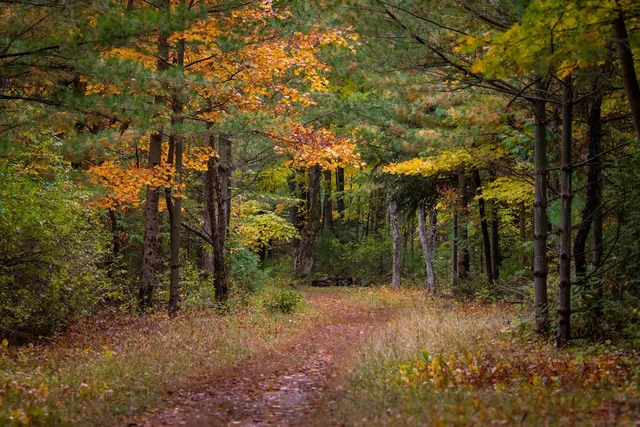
(102, 89)
(255, 227)
(508, 190)
(447, 161)
(5, 343)
(318, 147)
(503, 367)
(478, 67)
(108, 353)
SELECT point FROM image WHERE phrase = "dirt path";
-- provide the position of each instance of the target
(288, 386)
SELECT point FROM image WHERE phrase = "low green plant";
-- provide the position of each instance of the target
(282, 301)
(51, 251)
(246, 274)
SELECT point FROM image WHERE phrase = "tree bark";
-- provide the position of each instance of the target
(540, 214)
(592, 204)
(564, 300)
(340, 191)
(327, 205)
(631, 87)
(426, 242)
(221, 182)
(176, 217)
(484, 226)
(294, 214)
(522, 219)
(150, 242)
(209, 207)
(303, 259)
(454, 249)
(496, 256)
(396, 274)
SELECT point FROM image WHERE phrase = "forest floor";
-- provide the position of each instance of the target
(348, 356)
(288, 385)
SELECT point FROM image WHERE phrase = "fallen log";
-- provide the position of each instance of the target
(337, 281)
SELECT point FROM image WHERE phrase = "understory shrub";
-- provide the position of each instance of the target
(282, 300)
(51, 247)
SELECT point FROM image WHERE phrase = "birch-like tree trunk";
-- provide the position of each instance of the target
(426, 241)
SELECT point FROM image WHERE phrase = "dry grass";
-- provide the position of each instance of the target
(395, 383)
(374, 297)
(108, 366)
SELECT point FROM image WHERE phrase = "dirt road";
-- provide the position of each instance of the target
(291, 385)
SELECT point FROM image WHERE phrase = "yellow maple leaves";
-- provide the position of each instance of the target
(125, 185)
(321, 147)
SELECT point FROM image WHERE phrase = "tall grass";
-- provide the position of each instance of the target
(109, 365)
(434, 364)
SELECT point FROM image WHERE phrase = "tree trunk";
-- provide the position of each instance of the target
(433, 231)
(427, 250)
(522, 219)
(176, 217)
(540, 214)
(294, 213)
(209, 207)
(356, 232)
(221, 183)
(454, 249)
(327, 205)
(150, 242)
(397, 245)
(496, 256)
(631, 87)
(592, 204)
(303, 259)
(463, 233)
(486, 241)
(564, 300)
(340, 191)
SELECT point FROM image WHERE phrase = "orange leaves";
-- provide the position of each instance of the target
(509, 368)
(196, 158)
(318, 147)
(125, 185)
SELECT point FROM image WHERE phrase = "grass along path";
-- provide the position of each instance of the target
(442, 362)
(292, 382)
(110, 366)
(350, 357)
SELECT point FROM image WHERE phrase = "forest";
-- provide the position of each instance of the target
(335, 212)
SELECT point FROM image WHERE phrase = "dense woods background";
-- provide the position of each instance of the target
(177, 154)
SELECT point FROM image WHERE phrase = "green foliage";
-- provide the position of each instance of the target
(246, 273)
(197, 288)
(51, 247)
(282, 300)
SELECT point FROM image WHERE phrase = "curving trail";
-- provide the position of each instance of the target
(291, 385)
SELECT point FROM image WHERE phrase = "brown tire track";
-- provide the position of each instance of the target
(287, 386)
